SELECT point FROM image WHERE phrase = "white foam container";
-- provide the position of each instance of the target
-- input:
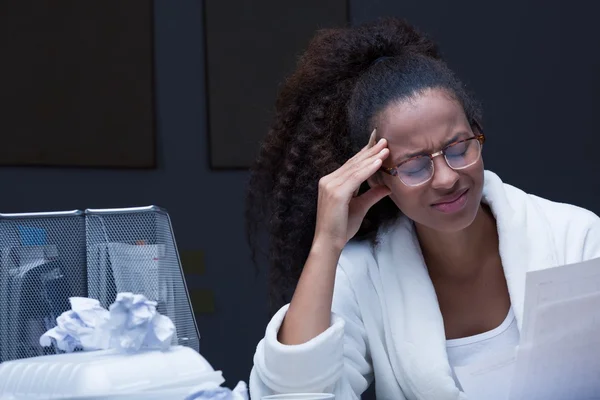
(106, 374)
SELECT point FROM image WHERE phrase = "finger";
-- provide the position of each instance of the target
(371, 197)
(372, 139)
(381, 155)
(351, 179)
(361, 156)
(352, 169)
(373, 145)
(366, 152)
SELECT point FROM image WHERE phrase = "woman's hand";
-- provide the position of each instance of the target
(339, 215)
(339, 212)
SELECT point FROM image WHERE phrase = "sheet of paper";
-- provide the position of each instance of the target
(555, 285)
(559, 353)
(478, 379)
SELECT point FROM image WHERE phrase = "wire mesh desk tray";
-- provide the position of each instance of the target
(45, 258)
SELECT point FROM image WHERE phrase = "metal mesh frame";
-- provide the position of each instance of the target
(45, 258)
(42, 264)
(134, 250)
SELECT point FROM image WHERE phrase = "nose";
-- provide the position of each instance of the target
(444, 178)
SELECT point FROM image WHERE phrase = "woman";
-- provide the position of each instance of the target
(405, 257)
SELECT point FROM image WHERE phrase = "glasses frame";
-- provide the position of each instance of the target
(480, 137)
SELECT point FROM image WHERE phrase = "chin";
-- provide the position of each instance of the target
(457, 223)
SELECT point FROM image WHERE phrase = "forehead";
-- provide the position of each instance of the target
(423, 122)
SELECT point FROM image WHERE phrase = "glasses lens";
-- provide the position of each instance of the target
(416, 171)
(463, 154)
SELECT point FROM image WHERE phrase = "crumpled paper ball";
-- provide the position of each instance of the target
(131, 324)
(84, 325)
(134, 323)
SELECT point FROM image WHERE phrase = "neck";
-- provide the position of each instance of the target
(460, 255)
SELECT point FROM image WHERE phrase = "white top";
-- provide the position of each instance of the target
(476, 349)
(473, 349)
(386, 321)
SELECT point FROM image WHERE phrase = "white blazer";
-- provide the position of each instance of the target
(386, 321)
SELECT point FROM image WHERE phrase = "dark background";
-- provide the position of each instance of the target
(248, 52)
(534, 64)
(76, 79)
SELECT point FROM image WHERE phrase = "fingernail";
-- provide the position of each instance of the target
(372, 138)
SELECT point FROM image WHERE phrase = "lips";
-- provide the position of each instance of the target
(453, 203)
(450, 198)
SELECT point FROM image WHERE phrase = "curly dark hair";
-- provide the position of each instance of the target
(323, 116)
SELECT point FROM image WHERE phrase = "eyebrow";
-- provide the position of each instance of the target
(407, 156)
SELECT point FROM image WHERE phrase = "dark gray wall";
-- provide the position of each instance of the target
(206, 207)
(533, 63)
(249, 52)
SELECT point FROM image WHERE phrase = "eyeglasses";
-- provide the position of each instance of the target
(419, 170)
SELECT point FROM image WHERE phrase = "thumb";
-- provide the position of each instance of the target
(372, 196)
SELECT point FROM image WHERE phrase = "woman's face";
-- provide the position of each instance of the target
(425, 124)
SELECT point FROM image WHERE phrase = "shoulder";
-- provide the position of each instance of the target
(575, 230)
(560, 215)
(566, 215)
